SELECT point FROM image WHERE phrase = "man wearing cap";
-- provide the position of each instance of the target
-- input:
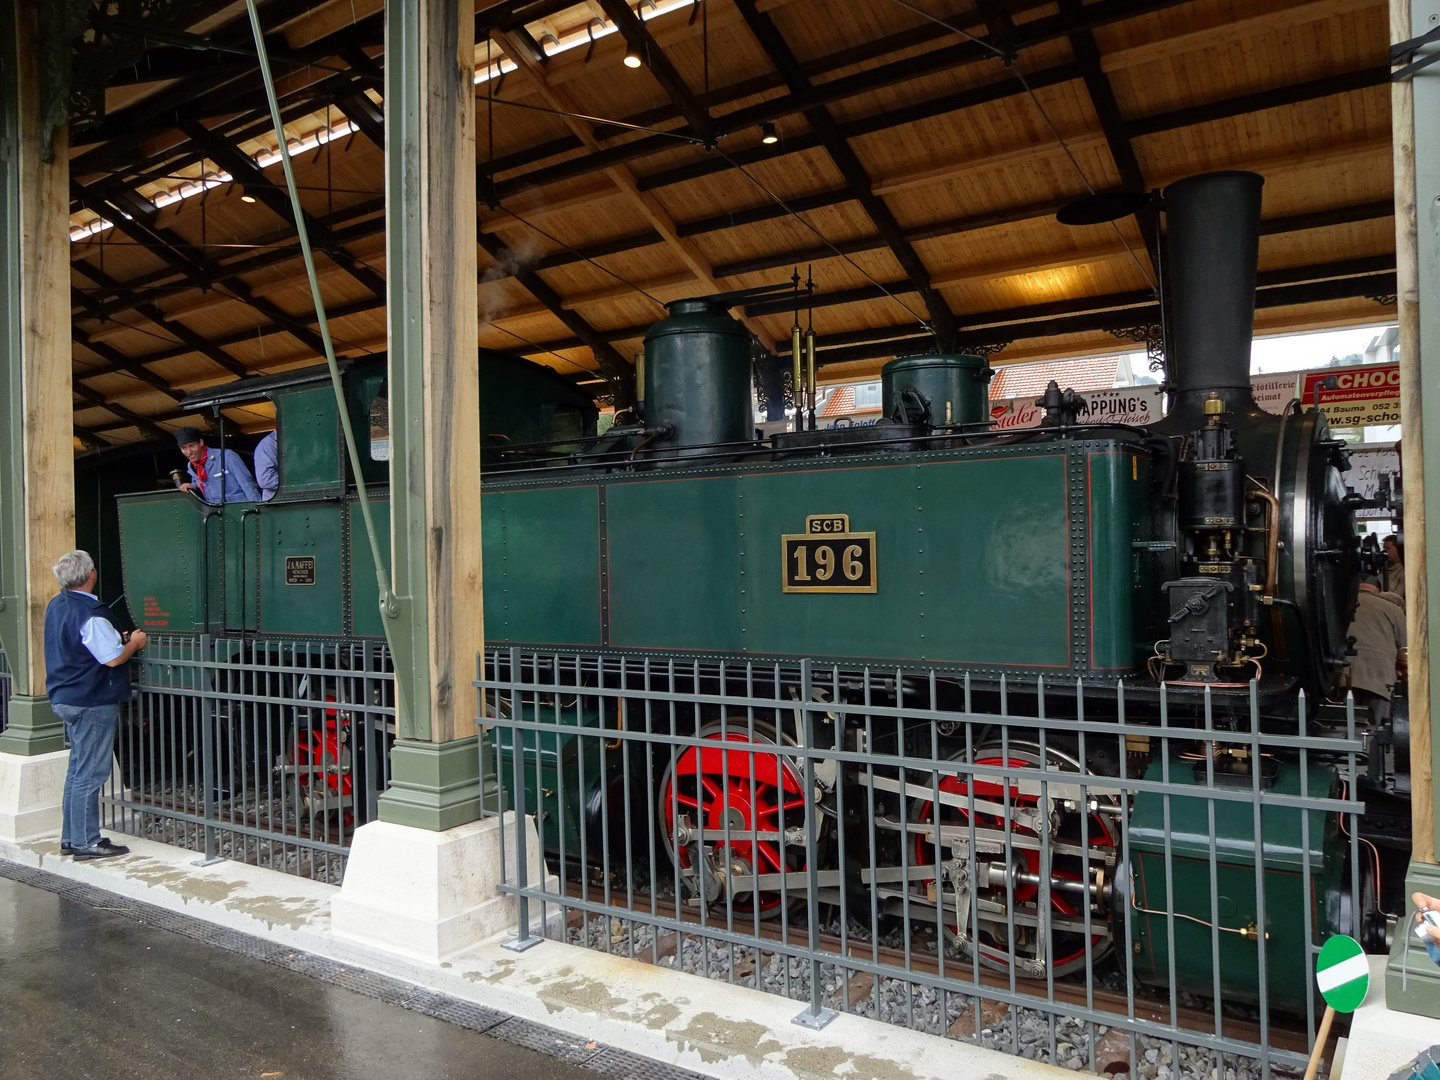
(215, 475)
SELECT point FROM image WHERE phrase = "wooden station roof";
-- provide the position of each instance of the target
(922, 148)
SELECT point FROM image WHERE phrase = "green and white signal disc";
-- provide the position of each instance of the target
(1342, 973)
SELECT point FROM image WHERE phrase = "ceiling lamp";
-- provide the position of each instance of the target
(632, 57)
(245, 196)
(767, 134)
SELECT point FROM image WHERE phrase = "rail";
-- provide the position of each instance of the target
(1140, 888)
(266, 751)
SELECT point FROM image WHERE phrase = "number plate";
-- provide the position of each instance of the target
(828, 558)
(300, 570)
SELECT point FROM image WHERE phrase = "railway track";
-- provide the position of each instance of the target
(1101, 999)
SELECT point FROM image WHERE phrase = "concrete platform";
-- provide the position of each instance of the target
(93, 992)
(1381, 1041)
(631, 1008)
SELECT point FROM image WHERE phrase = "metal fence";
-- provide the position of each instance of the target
(990, 863)
(264, 751)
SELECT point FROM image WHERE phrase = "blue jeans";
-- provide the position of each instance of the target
(91, 731)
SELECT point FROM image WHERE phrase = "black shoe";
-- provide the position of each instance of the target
(101, 849)
(66, 849)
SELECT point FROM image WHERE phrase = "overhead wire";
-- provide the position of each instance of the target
(583, 258)
(825, 240)
(1012, 63)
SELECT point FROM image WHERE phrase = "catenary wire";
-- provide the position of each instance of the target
(583, 258)
(1013, 63)
(824, 239)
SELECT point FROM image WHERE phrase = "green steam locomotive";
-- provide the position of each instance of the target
(1214, 552)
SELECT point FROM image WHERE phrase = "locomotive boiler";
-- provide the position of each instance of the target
(1205, 566)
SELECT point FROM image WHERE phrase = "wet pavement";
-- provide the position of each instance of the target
(90, 992)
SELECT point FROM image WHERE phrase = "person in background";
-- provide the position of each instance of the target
(86, 680)
(1379, 633)
(1395, 564)
(216, 476)
(267, 465)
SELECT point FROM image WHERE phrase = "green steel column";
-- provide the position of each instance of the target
(1412, 982)
(435, 523)
(36, 465)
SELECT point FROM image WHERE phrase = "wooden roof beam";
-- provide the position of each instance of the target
(943, 59)
(118, 361)
(660, 67)
(144, 423)
(243, 168)
(180, 260)
(942, 319)
(648, 205)
(614, 366)
(1112, 126)
(1119, 318)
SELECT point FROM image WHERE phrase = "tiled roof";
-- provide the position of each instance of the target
(841, 403)
(1030, 380)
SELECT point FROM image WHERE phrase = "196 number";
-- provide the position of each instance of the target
(850, 564)
(843, 563)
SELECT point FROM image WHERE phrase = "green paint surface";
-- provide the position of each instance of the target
(309, 439)
(1287, 891)
(364, 589)
(972, 557)
(301, 529)
(163, 536)
(542, 565)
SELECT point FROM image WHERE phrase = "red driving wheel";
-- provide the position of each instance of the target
(1069, 947)
(750, 791)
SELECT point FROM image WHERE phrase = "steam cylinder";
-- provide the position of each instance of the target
(697, 376)
(1213, 249)
(959, 379)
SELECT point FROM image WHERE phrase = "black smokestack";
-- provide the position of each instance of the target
(1214, 245)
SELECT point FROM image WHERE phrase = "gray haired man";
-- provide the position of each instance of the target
(86, 680)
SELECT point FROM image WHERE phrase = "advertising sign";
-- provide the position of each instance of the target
(1137, 405)
(1274, 392)
(1362, 395)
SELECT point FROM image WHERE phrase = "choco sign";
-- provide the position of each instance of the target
(1362, 396)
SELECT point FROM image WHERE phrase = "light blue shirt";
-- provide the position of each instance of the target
(267, 467)
(227, 474)
(98, 635)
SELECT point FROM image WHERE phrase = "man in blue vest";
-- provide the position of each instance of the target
(86, 680)
(217, 476)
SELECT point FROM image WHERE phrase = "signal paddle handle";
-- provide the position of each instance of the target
(1319, 1043)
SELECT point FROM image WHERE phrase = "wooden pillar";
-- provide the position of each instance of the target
(434, 409)
(1412, 982)
(37, 463)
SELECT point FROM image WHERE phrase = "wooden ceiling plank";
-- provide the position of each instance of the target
(648, 205)
(942, 319)
(244, 170)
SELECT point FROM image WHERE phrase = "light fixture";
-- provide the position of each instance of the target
(632, 57)
(767, 134)
(245, 196)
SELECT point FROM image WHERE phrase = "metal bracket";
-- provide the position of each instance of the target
(521, 944)
(208, 862)
(1406, 50)
(815, 1020)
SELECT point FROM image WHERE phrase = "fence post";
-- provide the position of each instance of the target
(209, 720)
(525, 939)
(816, 1016)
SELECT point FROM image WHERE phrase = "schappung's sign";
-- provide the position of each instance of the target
(1138, 405)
